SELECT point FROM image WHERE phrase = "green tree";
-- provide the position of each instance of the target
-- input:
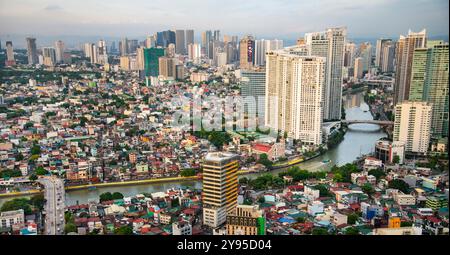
(16, 204)
(38, 201)
(117, 195)
(243, 180)
(378, 173)
(351, 231)
(33, 177)
(69, 228)
(19, 157)
(352, 218)
(368, 189)
(264, 159)
(400, 185)
(323, 190)
(300, 219)
(320, 231)
(35, 150)
(396, 159)
(107, 196)
(123, 230)
(188, 172)
(41, 171)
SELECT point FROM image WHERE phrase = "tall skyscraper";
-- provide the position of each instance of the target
(32, 51)
(125, 63)
(90, 51)
(262, 46)
(123, 46)
(180, 43)
(140, 58)
(247, 52)
(194, 52)
(350, 54)
(253, 84)
(412, 125)
(294, 95)
(220, 187)
(330, 44)
(381, 44)
(358, 70)
(216, 35)
(10, 60)
(404, 56)
(365, 53)
(189, 37)
(164, 38)
(429, 82)
(167, 67)
(59, 48)
(151, 58)
(207, 46)
(248, 220)
(102, 52)
(150, 41)
(132, 46)
(49, 55)
(388, 57)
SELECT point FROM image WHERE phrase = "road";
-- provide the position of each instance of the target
(54, 207)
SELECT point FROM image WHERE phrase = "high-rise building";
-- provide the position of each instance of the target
(418, 74)
(125, 63)
(151, 60)
(403, 63)
(413, 125)
(381, 43)
(102, 53)
(59, 47)
(221, 59)
(253, 84)
(216, 35)
(330, 44)
(248, 220)
(90, 51)
(164, 38)
(123, 47)
(140, 58)
(207, 40)
(194, 52)
(150, 41)
(220, 187)
(179, 72)
(294, 95)
(350, 54)
(180, 43)
(32, 51)
(189, 37)
(262, 46)
(429, 82)
(167, 67)
(247, 52)
(49, 55)
(132, 46)
(388, 57)
(10, 60)
(358, 70)
(365, 52)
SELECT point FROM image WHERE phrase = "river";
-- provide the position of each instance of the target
(359, 139)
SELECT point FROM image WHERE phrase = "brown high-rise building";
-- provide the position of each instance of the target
(405, 51)
(247, 52)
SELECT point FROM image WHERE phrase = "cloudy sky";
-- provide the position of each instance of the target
(282, 18)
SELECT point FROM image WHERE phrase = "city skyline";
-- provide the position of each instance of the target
(375, 18)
